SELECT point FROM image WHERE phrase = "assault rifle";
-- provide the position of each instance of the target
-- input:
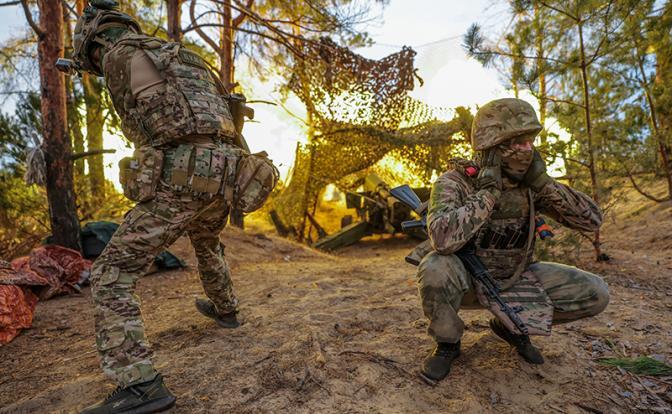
(467, 255)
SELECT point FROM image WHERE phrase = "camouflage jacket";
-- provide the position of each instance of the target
(457, 210)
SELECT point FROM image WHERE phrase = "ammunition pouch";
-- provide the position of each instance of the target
(256, 179)
(140, 175)
(502, 263)
(203, 169)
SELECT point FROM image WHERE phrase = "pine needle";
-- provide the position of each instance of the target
(639, 366)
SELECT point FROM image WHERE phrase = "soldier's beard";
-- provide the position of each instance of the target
(515, 162)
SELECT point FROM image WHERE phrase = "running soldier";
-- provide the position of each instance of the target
(186, 174)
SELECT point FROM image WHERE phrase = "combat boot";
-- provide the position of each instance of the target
(521, 342)
(436, 365)
(225, 320)
(144, 398)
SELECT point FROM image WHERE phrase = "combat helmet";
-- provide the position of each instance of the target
(502, 119)
(98, 16)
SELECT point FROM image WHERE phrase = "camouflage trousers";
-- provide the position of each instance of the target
(445, 286)
(147, 229)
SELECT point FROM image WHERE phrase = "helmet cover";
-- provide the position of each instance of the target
(501, 120)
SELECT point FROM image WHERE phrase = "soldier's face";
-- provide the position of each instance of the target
(517, 155)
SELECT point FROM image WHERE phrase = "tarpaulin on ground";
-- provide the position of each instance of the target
(52, 270)
(17, 305)
(61, 267)
(17, 301)
(48, 271)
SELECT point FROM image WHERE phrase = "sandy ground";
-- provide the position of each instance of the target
(344, 333)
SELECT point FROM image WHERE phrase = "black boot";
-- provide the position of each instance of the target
(437, 364)
(226, 320)
(521, 342)
(147, 397)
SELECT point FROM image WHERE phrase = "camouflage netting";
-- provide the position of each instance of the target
(359, 111)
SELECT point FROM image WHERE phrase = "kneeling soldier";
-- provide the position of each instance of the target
(188, 171)
(492, 201)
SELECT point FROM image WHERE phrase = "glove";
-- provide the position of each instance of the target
(536, 177)
(490, 176)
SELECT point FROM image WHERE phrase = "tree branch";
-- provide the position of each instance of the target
(71, 9)
(158, 25)
(557, 100)
(79, 155)
(26, 10)
(205, 13)
(581, 163)
(10, 3)
(201, 33)
(15, 92)
(241, 16)
(515, 56)
(262, 22)
(604, 39)
(275, 39)
(548, 6)
(644, 193)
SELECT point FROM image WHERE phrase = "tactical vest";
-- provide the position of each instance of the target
(185, 100)
(505, 243)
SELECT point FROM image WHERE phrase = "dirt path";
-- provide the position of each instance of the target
(342, 334)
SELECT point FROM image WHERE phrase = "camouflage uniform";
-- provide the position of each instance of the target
(183, 174)
(147, 229)
(459, 211)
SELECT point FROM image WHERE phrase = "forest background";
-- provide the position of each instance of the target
(598, 73)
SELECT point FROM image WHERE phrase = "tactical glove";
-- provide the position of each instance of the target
(536, 177)
(490, 176)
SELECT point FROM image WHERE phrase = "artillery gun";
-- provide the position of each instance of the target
(377, 212)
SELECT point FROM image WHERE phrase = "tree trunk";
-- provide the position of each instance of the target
(663, 87)
(663, 150)
(541, 64)
(74, 120)
(95, 120)
(60, 191)
(174, 16)
(226, 46)
(589, 135)
(226, 73)
(94, 127)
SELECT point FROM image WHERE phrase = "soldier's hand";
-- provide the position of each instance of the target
(490, 176)
(536, 177)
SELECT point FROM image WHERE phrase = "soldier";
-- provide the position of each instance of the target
(186, 175)
(492, 201)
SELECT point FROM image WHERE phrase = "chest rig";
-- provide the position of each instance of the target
(505, 242)
(187, 100)
(505, 245)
